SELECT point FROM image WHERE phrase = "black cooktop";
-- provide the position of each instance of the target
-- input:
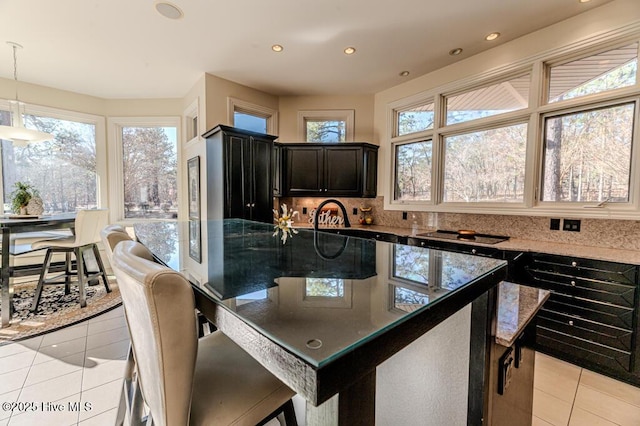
(475, 238)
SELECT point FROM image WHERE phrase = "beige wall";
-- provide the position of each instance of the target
(217, 92)
(290, 105)
(70, 101)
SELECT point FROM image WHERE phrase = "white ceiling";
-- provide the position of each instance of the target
(125, 49)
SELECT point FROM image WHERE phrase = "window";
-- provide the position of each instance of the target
(252, 117)
(246, 121)
(587, 155)
(485, 165)
(599, 73)
(326, 126)
(499, 98)
(191, 122)
(149, 165)
(413, 171)
(554, 134)
(415, 119)
(324, 287)
(64, 170)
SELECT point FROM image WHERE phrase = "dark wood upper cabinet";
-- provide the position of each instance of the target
(323, 169)
(239, 167)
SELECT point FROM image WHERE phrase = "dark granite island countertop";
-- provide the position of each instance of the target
(323, 311)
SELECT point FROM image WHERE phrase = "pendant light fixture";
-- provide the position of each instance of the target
(16, 132)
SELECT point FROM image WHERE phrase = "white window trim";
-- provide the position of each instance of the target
(190, 113)
(346, 115)
(537, 108)
(238, 105)
(102, 197)
(116, 173)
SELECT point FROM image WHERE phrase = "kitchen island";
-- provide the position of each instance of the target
(365, 331)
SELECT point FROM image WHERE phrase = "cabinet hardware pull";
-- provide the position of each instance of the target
(574, 264)
(473, 251)
(248, 205)
(570, 322)
(573, 283)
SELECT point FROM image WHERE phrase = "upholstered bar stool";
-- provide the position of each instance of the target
(131, 405)
(88, 225)
(186, 381)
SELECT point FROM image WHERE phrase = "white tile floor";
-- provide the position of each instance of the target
(73, 377)
(68, 377)
(566, 395)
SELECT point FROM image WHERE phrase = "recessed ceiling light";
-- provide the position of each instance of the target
(584, 1)
(169, 10)
(349, 50)
(492, 36)
(277, 48)
(404, 73)
(455, 52)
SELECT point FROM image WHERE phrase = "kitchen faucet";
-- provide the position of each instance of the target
(336, 202)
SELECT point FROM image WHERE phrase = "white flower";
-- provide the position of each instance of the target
(284, 223)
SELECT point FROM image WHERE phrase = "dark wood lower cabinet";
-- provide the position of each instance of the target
(591, 318)
(513, 404)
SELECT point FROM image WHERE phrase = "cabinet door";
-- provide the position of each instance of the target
(370, 168)
(277, 171)
(305, 171)
(261, 200)
(343, 171)
(236, 183)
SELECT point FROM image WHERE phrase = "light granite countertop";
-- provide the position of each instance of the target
(517, 305)
(518, 244)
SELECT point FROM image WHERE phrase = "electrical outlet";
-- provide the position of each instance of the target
(571, 225)
(355, 210)
(404, 215)
(554, 225)
(304, 210)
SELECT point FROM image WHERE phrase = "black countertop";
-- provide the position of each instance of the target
(341, 291)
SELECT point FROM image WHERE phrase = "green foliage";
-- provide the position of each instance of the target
(21, 196)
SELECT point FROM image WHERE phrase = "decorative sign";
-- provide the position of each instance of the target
(326, 218)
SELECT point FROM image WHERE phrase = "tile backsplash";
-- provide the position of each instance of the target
(609, 233)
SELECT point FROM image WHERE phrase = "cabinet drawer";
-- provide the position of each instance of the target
(605, 291)
(554, 342)
(586, 268)
(619, 338)
(605, 313)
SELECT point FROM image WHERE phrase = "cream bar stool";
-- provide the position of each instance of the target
(88, 225)
(186, 381)
(131, 405)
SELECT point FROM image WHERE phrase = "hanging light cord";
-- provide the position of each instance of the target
(15, 66)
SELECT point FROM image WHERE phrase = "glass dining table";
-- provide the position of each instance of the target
(361, 329)
(11, 225)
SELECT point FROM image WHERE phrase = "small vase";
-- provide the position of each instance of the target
(23, 210)
(35, 206)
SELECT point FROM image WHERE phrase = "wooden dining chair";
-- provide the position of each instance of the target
(186, 380)
(87, 227)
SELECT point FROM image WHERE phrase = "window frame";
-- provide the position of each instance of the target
(346, 115)
(102, 186)
(632, 204)
(237, 105)
(534, 115)
(116, 189)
